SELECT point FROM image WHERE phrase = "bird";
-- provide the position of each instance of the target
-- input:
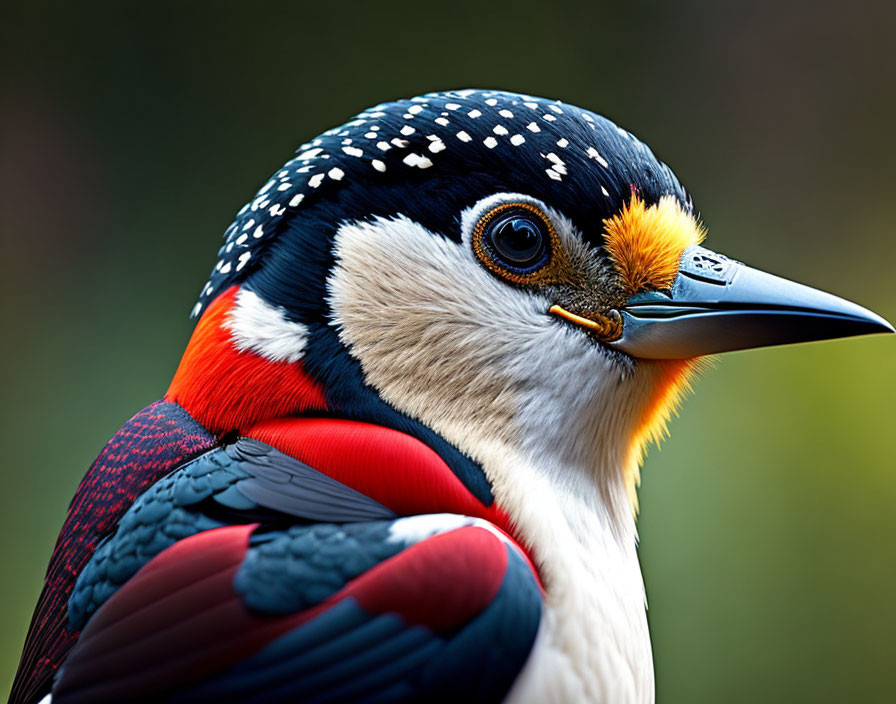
(399, 458)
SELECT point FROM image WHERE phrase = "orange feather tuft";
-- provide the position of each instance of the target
(646, 243)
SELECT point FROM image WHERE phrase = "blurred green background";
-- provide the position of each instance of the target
(131, 133)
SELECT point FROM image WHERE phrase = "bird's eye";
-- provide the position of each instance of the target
(517, 240)
(514, 240)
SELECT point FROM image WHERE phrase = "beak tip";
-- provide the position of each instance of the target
(875, 324)
(885, 327)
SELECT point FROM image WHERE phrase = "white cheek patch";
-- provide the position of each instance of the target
(478, 361)
(446, 342)
(257, 326)
(437, 335)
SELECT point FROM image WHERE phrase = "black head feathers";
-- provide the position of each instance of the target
(431, 156)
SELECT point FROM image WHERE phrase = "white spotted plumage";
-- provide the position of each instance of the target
(373, 137)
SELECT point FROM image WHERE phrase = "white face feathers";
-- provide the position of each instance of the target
(480, 361)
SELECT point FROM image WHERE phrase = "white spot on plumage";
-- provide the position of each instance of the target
(296, 199)
(415, 529)
(506, 113)
(378, 165)
(563, 142)
(310, 154)
(532, 127)
(353, 151)
(421, 162)
(517, 140)
(463, 136)
(500, 130)
(336, 174)
(407, 130)
(258, 327)
(316, 180)
(259, 232)
(474, 114)
(441, 121)
(437, 146)
(383, 146)
(594, 154)
(490, 142)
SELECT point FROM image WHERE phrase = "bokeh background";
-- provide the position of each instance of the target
(130, 133)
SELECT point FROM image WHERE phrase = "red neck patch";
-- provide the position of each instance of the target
(226, 389)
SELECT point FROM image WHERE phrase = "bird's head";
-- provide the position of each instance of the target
(509, 279)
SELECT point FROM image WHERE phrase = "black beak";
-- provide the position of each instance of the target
(718, 305)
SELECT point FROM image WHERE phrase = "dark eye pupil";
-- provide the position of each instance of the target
(518, 240)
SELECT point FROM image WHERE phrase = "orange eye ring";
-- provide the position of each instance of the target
(486, 251)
